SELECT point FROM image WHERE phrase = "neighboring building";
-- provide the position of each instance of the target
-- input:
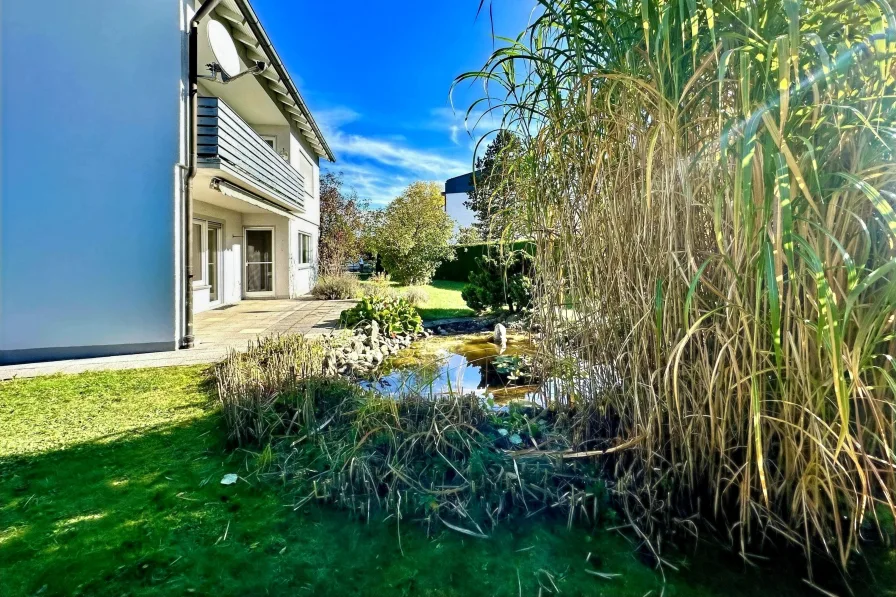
(456, 190)
(95, 134)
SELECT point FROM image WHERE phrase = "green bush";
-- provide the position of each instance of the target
(465, 256)
(394, 315)
(500, 280)
(336, 287)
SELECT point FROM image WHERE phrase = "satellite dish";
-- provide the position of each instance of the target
(223, 48)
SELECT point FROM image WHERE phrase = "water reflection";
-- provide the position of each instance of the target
(459, 364)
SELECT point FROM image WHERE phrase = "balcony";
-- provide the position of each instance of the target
(226, 143)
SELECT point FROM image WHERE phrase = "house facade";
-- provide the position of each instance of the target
(115, 185)
(456, 194)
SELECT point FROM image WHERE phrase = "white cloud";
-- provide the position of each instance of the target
(415, 161)
(380, 168)
(456, 122)
(331, 119)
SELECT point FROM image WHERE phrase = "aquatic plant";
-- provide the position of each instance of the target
(250, 382)
(711, 188)
(446, 460)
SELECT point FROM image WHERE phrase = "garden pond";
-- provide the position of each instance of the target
(463, 364)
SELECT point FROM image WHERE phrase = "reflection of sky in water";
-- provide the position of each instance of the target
(464, 365)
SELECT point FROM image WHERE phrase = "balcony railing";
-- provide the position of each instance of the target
(225, 141)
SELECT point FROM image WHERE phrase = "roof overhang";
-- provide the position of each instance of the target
(248, 31)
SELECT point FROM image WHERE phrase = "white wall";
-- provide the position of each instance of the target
(89, 142)
(454, 207)
(303, 159)
(302, 276)
(281, 247)
(232, 258)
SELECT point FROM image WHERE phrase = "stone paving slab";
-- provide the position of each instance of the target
(217, 331)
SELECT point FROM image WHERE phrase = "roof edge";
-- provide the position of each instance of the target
(268, 48)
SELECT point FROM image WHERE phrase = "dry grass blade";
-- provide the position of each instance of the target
(710, 186)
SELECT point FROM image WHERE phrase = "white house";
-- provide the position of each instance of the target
(108, 194)
(455, 194)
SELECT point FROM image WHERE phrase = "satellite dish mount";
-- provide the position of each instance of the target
(227, 60)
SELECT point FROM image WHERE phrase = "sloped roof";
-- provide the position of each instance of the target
(248, 31)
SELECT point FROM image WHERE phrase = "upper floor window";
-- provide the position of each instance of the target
(270, 140)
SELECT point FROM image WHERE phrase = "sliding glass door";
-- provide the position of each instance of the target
(259, 262)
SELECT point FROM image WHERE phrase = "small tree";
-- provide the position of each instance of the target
(501, 279)
(413, 234)
(341, 225)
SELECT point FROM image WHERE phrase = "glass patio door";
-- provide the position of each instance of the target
(259, 261)
(214, 263)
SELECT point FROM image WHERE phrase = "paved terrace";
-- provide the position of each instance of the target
(217, 331)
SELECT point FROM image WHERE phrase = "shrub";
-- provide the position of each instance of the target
(500, 280)
(413, 233)
(394, 315)
(382, 279)
(250, 382)
(336, 287)
(416, 297)
(466, 256)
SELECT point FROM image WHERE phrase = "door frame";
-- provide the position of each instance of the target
(219, 260)
(246, 293)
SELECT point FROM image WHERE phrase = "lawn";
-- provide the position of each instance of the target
(110, 485)
(444, 301)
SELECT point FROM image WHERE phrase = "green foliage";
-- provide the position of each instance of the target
(113, 478)
(499, 281)
(494, 199)
(412, 235)
(394, 315)
(467, 235)
(465, 256)
(443, 298)
(337, 287)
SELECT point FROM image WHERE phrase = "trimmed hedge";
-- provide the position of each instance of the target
(465, 262)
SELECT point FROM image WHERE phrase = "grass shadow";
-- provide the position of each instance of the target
(144, 513)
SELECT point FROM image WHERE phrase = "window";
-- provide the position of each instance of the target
(305, 251)
(198, 253)
(211, 257)
(206, 248)
(270, 140)
(306, 169)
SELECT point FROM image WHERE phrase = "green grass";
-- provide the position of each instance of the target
(110, 485)
(444, 302)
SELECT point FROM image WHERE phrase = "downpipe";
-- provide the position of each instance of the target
(207, 7)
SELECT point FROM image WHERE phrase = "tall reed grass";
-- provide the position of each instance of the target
(711, 185)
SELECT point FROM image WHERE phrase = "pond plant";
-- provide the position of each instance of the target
(710, 185)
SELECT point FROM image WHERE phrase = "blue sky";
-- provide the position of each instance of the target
(377, 74)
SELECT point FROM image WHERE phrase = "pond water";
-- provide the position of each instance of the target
(463, 364)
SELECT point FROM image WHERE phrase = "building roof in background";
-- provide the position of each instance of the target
(459, 184)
